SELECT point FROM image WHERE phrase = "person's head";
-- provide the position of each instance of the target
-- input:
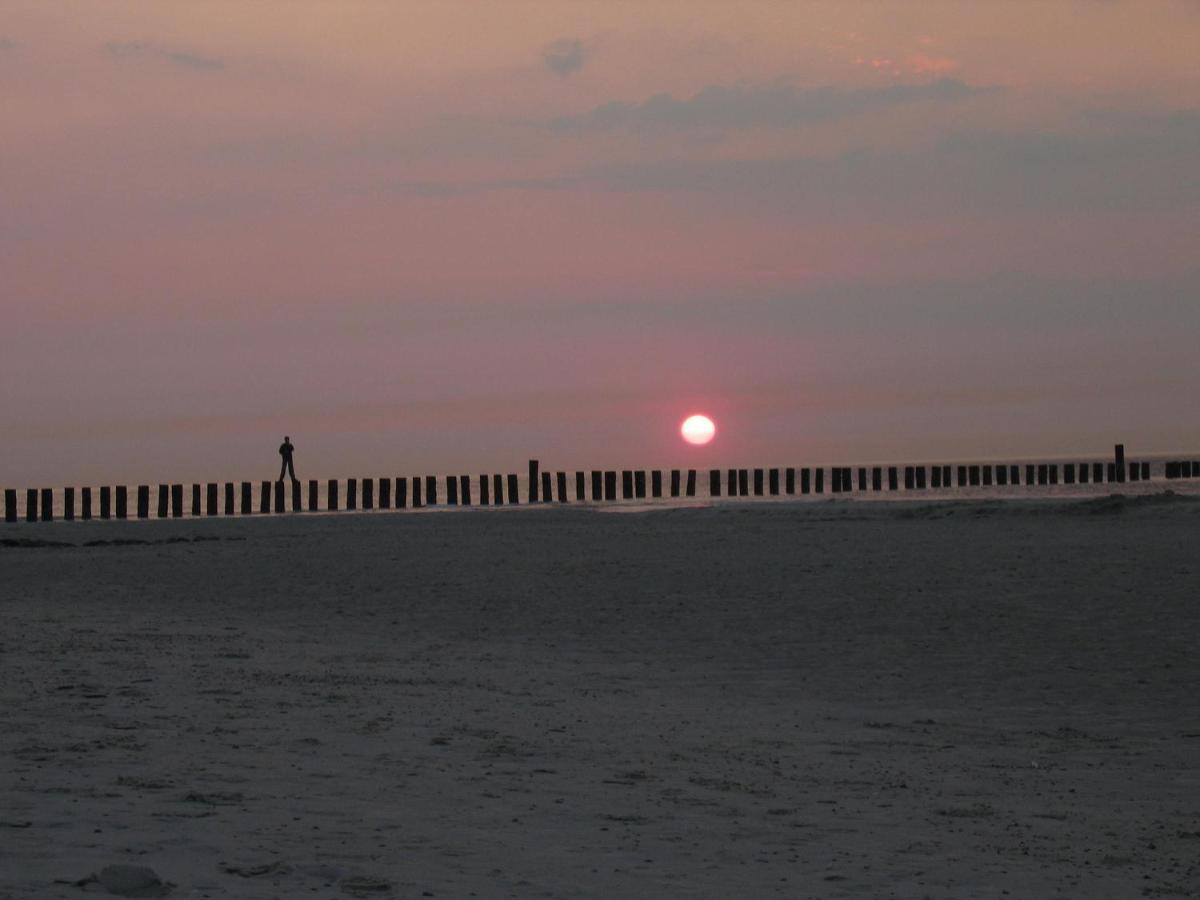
(286, 439)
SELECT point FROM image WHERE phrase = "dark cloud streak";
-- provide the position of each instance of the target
(564, 56)
(149, 50)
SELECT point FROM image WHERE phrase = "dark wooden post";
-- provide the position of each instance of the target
(195, 500)
(862, 478)
(230, 505)
(431, 491)
(85, 500)
(675, 482)
(368, 492)
(498, 490)
(877, 478)
(314, 490)
(597, 485)
(714, 482)
(743, 482)
(731, 482)
(464, 489)
(835, 479)
(105, 502)
(176, 501)
(1001, 476)
(280, 505)
(1054, 473)
(691, 482)
(1083, 473)
(247, 491)
(1145, 471)
(69, 504)
(10, 505)
(789, 480)
(1171, 470)
(143, 501)
(451, 490)
(31, 505)
(533, 481)
(893, 478)
(973, 475)
(484, 494)
(987, 476)
(416, 492)
(962, 476)
(1069, 473)
(47, 505)
(1135, 472)
(351, 493)
(909, 478)
(211, 499)
(1043, 473)
(656, 483)
(297, 496)
(1030, 477)
(122, 502)
(920, 478)
(805, 480)
(1119, 461)
(626, 484)
(1014, 474)
(1111, 472)
(639, 484)
(610, 485)
(820, 481)
(264, 497)
(758, 482)
(560, 479)
(936, 477)
(773, 482)
(401, 492)
(385, 493)
(514, 496)
(547, 494)
(580, 487)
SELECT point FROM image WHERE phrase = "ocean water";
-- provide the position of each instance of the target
(1156, 483)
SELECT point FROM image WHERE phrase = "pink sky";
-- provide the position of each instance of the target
(443, 237)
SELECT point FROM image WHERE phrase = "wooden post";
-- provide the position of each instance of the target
(1145, 471)
(743, 483)
(484, 493)
(513, 494)
(1014, 474)
(1030, 477)
(1083, 473)
(610, 485)
(936, 477)
(962, 476)
(314, 490)
(401, 492)
(1043, 474)
(176, 501)
(920, 478)
(805, 480)
(211, 499)
(351, 493)
(862, 478)
(105, 502)
(973, 475)
(464, 489)
(85, 500)
(498, 490)
(264, 498)
(893, 478)
(1001, 476)
(639, 484)
(656, 483)
(230, 506)
(1111, 472)
(1119, 461)
(195, 500)
(143, 501)
(47, 504)
(910, 478)
(122, 502)
(1069, 473)
(560, 483)
(279, 497)
(10, 505)
(691, 482)
(580, 487)
(1054, 473)
(731, 482)
(451, 490)
(533, 481)
(789, 480)
(820, 481)
(877, 478)
(758, 482)
(547, 494)
(416, 492)
(675, 478)
(69, 504)
(987, 476)
(297, 496)
(31, 505)
(835, 479)
(247, 491)
(597, 485)
(1135, 472)
(714, 482)
(385, 493)
(773, 482)
(431, 491)
(1171, 470)
(626, 484)
(368, 493)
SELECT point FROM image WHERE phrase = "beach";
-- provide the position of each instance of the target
(833, 699)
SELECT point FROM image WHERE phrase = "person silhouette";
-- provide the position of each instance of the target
(286, 450)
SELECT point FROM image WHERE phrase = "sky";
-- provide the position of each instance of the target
(439, 237)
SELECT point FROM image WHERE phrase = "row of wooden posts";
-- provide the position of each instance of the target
(543, 486)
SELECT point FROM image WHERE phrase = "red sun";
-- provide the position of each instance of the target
(698, 429)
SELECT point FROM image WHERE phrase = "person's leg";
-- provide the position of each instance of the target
(283, 467)
(291, 469)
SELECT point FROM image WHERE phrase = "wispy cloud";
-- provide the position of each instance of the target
(151, 51)
(773, 106)
(564, 56)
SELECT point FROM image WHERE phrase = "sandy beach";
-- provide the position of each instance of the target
(822, 700)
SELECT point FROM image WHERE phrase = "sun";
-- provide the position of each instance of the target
(698, 429)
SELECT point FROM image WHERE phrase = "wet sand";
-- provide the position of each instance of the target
(820, 700)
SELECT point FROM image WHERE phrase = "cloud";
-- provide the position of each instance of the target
(774, 106)
(150, 50)
(565, 56)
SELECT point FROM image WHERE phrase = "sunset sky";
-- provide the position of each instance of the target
(426, 237)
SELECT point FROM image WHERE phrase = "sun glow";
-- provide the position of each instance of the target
(698, 429)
